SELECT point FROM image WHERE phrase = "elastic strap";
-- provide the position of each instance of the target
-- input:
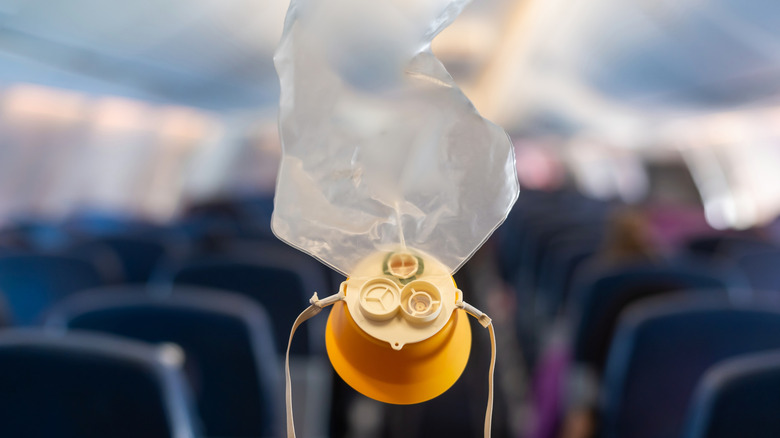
(316, 307)
(488, 324)
(489, 413)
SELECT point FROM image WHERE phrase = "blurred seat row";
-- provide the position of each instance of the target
(115, 327)
(642, 322)
(632, 322)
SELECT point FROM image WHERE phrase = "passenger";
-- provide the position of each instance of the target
(628, 240)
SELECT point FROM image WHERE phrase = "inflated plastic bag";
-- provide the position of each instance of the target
(381, 150)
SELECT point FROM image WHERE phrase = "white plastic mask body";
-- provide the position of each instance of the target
(381, 150)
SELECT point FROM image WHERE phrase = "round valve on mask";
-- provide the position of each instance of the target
(401, 297)
(379, 299)
(421, 301)
(403, 265)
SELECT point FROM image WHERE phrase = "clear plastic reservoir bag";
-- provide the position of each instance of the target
(381, 149)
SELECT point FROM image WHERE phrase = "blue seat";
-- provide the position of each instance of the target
(726, 245)
(601, 303)
(733, 247)
(10, 240)
(545, 231)
(738, 397)
(518, 227)
(138, 255)
(523, 245)
(233, 217)
(6, 319)
(101, 223)
(565, 253)
(31, 283)
(707, 245)
(248, 250)
(762, 269)
(103, 258)
(662, 348)
(204, 232)
(34, 234)
(281, 281)
(230, 359)
(90, 386)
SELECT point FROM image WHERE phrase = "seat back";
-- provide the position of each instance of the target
(32, 234)
(738, 397)
(565, 253)
(280, 281)
(761, 269)
(663, 347)
(529, 212)
(230, 359)
(138, 255)
(103, 258)
(601, 303)
(89, 386)
(31, 283)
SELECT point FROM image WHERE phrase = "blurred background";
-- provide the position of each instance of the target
(138, 157)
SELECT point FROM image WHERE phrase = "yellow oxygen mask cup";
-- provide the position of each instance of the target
(399, 336)
(398, 331)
